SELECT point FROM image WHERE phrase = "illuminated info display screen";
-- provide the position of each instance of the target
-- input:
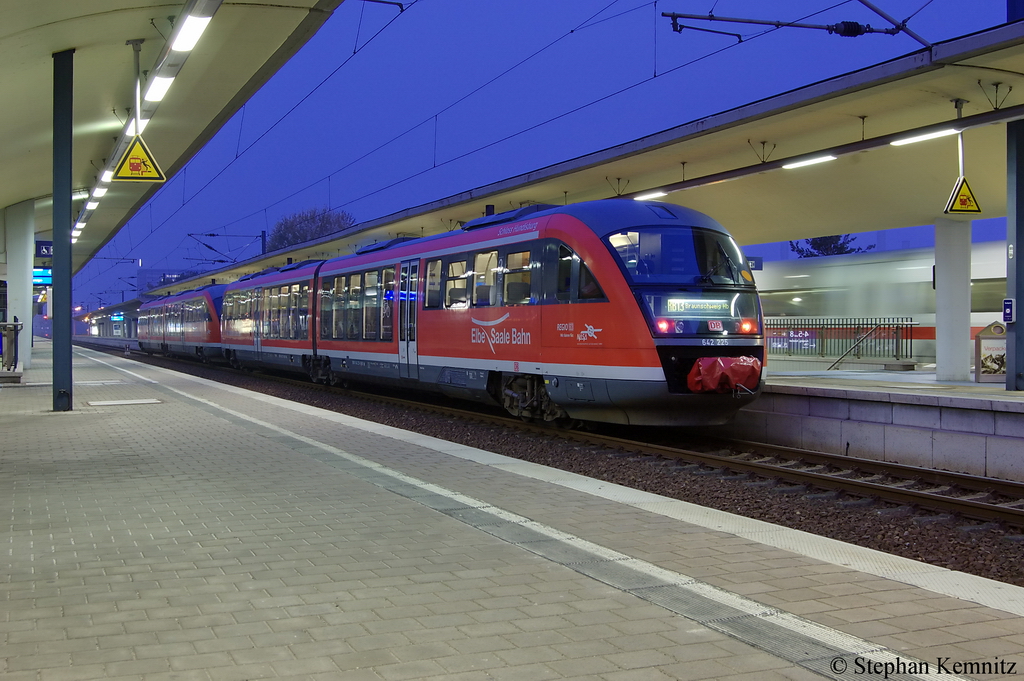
(702, 306)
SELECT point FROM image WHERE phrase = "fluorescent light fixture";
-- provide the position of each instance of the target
(809, 162)
(796, 276)
(98, 192)
(131, 126)
(77, 233)
(108, 176)
(921, 138)
(80, 225)
(74, 240)
(190, 32)
(92, 205)
(648, 197)
(158, 87)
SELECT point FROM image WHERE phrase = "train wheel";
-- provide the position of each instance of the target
(525, 396)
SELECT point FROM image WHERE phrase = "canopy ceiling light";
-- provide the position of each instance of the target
(194, 18)
(934, 131)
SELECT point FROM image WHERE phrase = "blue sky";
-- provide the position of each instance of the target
(384, 110)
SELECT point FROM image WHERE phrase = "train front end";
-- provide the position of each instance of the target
(696, 295)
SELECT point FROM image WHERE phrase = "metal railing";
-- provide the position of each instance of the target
(890, 338)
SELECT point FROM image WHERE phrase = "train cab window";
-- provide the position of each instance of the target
(371, 305)
(456, 285)
(588, 288)
(517, 278)
(485, 275)
(387, 324)
(565, 261)
(353, 312)
(680, 255)
(433, 298)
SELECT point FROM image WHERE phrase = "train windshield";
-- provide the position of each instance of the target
(680, 255)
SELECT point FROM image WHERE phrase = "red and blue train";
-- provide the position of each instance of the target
(619, 311)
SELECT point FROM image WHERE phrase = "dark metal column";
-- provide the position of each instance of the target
(1014, 241)
(1014, 231)
(60, 308)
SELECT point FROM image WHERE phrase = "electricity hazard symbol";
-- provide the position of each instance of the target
(138, 164)
(962, 199)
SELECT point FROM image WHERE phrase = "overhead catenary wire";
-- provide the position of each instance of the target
(589, 22)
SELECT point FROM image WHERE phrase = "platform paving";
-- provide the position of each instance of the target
(173, 528)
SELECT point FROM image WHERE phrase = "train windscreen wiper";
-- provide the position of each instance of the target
(706, 277)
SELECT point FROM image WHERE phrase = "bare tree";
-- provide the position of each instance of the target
(839, 244)
(307, 225)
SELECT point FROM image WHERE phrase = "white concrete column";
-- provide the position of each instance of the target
(21, 253)
(952, 299)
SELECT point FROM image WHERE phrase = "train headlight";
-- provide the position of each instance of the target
(748, 326)
(664, 325)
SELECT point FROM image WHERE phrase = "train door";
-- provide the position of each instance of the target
(408, 284)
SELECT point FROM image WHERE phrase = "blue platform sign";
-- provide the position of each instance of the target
(755, 262)
(44, 249)
(1009, 313)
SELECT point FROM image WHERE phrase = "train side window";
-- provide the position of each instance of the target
(353, 308)
(433, 298)
(371, 305)
(588, 288)
(456, 285)
(338, 303)
(286, 308)
(287, 313)
(304, 311)
(485, 274)
(266, 312)
(386, 304)
(247, 311)
(565, 260)
(517, 278)
(326, 309)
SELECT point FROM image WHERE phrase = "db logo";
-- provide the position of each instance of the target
(515, 366)
(714, 325)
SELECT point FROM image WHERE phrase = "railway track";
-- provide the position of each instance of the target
(786, 470)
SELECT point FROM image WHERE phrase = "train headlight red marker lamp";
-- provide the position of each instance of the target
(747, 326)
(663, 325)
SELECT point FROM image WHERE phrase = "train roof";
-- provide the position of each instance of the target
(215, 291)
(603, 217)
(608, 215)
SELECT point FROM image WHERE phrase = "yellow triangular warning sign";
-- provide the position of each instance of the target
(962, 199)
(138, 164)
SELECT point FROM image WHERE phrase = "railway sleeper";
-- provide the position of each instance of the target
(790, 489)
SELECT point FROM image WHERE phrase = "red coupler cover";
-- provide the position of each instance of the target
(724, 374)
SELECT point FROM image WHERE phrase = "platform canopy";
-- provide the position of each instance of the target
(244, 44)
(870, 185)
